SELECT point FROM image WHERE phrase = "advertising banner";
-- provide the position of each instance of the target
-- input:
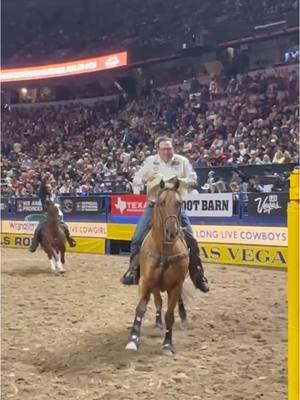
(196, 205)
(232, 254)
(209, 205)
(16, 241)
(253, 235)
(4, 204)
(128, 205)
(83, 245)
(88, 245)
(28, 205)
(267, 204)
(81, 229)
(90, 205)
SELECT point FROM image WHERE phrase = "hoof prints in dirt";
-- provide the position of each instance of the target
(65, 338)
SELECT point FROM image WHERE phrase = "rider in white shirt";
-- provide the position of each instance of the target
(168, 164)
(171, 164)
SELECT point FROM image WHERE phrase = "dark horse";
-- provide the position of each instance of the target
(53, 239)
(164, 261)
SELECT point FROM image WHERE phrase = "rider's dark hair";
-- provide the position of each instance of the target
(162, 139)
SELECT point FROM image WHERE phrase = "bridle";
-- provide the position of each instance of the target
(164, 221)
(164, 258)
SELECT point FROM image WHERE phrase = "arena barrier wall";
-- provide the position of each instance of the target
(230, 229)
(84, 244)
(90, 236)
(233, 245)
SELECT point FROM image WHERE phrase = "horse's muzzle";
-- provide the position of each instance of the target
(171, 235)
(172, 229)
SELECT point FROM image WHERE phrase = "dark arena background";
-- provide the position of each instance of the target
(87, 86)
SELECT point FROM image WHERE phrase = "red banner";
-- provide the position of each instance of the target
(128, 205)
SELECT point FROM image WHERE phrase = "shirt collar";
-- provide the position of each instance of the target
(169, 162)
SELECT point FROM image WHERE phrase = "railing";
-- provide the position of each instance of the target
(244, 208)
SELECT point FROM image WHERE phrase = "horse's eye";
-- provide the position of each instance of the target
(162, 203)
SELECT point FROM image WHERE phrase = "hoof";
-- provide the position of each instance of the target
(182, 318)
(131, 346)
(159, 325)
(61, 271)
(168, 350)
(184, 325)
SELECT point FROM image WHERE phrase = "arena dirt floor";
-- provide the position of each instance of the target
(64, 337)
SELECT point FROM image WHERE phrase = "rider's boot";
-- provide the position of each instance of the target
(132, 275)
(70, 240)
(195, 266)
(36, 239)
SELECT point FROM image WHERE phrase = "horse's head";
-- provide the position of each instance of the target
(168, 206)
(52, 208)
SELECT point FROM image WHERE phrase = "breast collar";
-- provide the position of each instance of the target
(163, 258)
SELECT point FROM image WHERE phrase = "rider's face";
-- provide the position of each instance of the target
(166, 151)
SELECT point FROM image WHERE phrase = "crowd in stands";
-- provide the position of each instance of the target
(248, 120)
(49, 32)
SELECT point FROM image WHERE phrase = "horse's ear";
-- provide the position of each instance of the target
(177, 184)
(162, 184)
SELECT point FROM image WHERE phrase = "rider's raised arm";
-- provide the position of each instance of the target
(190, 176)
(144, 171)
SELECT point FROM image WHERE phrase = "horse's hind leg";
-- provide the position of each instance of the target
(173, 297)
(181, 310)
(63, 257)
(135, 333)
(158, 306)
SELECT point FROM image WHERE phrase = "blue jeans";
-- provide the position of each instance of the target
(144, 225)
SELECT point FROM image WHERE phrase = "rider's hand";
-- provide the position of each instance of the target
(149, 178)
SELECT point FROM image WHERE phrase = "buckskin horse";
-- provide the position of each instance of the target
(164, 260)
(53, 239)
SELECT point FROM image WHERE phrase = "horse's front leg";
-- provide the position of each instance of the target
(135, 333)
(52, 261)
(181, 310)
(62, 260)
(59, 264)
(158, 306)
(173, 297)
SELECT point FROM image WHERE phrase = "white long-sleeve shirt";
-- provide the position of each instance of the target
(179, 166)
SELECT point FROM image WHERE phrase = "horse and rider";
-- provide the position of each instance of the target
(166, 164)
(45, 195)
(54, 239)
(164, 261)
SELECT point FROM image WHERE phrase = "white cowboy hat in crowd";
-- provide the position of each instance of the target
(205, 186)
